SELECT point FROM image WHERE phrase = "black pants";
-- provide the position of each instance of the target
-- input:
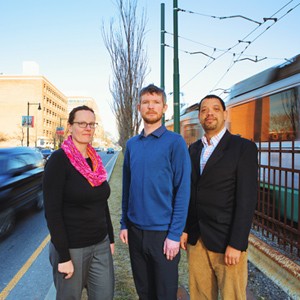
(155, 277)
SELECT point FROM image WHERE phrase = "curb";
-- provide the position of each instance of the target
(279, 268)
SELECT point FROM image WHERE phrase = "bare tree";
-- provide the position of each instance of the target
(20, 135)
(129, 62)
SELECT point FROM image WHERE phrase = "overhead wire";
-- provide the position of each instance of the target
(249, 43)
(221, 18)
(243, 40)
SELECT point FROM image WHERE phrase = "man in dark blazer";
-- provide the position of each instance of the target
(222, 204)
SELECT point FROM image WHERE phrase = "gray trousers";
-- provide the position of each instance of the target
(93, 269)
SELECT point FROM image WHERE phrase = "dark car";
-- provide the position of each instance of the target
(110, 151)
(99, 149)
(21, 172)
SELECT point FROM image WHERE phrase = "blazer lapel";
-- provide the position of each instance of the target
(218, 152)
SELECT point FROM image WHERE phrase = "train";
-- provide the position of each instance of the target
(264, 108)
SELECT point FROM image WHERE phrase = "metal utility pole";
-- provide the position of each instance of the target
(162, 49)
(27, 124)
(176, 93)
(27, 121)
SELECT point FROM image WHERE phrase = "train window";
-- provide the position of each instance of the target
(271, 118)
(284, 116)
(241, 120)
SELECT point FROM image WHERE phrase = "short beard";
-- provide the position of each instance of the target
(152, 120)
(209, 127)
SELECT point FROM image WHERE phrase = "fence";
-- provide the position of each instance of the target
(277, 212)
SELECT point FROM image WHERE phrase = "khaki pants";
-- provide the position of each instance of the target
(209, 276)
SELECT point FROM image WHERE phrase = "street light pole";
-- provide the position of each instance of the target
(176, 88)
(27, 124)
(162, 50)
(39, 108)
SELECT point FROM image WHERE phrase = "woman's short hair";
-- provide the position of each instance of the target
(75, 110)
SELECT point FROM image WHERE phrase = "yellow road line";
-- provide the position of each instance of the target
(5, 292)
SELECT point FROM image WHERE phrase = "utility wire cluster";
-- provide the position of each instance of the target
(236, 57)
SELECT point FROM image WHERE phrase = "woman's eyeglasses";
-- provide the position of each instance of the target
(85, 124)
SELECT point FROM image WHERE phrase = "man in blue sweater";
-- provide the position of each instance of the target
(156, 191)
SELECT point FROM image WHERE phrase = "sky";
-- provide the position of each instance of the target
(64, 37)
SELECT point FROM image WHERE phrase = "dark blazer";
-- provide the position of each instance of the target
(224, 197)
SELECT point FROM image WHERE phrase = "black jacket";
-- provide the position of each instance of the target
(223, 198)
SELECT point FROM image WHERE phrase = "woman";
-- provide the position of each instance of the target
(77, 214)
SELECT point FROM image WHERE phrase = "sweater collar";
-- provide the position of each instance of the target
(157, 133)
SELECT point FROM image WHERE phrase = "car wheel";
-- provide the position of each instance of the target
(7, 222)
(39, 201)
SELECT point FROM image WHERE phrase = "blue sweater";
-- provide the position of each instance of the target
(156, 182)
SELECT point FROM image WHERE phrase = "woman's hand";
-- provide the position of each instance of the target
(112, 248)
(66, 268)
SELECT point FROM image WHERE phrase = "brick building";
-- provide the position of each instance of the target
(33, 97)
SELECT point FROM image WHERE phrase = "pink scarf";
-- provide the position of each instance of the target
(96, 176)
